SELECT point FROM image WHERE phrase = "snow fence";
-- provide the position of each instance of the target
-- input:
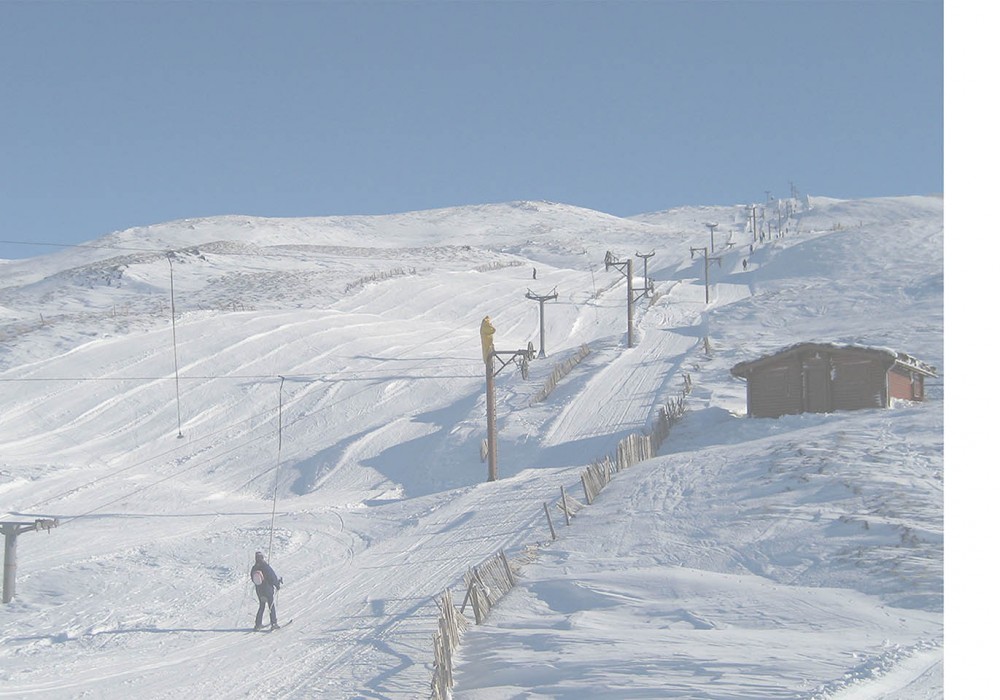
(491, 580)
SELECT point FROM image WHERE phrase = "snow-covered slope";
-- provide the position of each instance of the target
(319, 395)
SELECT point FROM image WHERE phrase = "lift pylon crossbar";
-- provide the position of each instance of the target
(625, 268)
(10, 532)
(648, 288)
(716, 259)
(541, 299)
(511, 356)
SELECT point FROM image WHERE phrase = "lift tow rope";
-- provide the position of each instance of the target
(277, 469)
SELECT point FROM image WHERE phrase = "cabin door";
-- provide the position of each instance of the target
(816, 385)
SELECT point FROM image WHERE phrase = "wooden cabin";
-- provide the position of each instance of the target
(824, 377)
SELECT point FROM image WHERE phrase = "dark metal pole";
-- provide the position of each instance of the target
(629, 276)
(648, 288)
(173, 327)
(10, 531)
(706, 278)
(704, 251)
(491, 421)
(610, 260)
(541, 299)
(541, 329)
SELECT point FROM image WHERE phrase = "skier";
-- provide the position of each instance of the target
(266, 582)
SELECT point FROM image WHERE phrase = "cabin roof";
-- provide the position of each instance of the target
(890, 356)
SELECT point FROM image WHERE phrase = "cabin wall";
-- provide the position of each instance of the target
(859, 382)
(820, 379)
(907, 385)
(817, 393)
(775, 390)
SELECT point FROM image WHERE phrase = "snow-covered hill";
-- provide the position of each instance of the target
(181, 395)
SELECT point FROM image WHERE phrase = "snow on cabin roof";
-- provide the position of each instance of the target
(742, 369)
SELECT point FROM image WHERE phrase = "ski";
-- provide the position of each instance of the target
(273, 629)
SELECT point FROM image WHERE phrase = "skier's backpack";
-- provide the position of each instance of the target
(257, 577)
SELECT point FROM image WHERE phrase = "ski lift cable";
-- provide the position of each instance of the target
(277, 471)
(129, 467)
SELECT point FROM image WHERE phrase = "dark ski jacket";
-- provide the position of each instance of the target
(271, 581)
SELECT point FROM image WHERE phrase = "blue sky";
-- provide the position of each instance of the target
(134, 113)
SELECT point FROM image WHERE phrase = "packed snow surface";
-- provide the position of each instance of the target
(179, 396)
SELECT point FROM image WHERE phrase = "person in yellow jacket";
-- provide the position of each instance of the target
(486, 331)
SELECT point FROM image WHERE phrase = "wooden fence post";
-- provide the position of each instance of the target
(475, 602)
(468, 594)
(506, 566)
(549, 518)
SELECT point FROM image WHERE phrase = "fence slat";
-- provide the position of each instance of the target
(548, 516)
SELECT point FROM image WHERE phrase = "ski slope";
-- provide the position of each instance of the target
(318, 393)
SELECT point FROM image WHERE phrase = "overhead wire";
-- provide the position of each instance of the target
(314, 377)
(145, 487)
(242, 444)
(277, 472)
(135, 465)
(186, 445)
(272, 251)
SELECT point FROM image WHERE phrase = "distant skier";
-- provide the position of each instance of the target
(266, 582)
(744, 264)
(534, 273)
